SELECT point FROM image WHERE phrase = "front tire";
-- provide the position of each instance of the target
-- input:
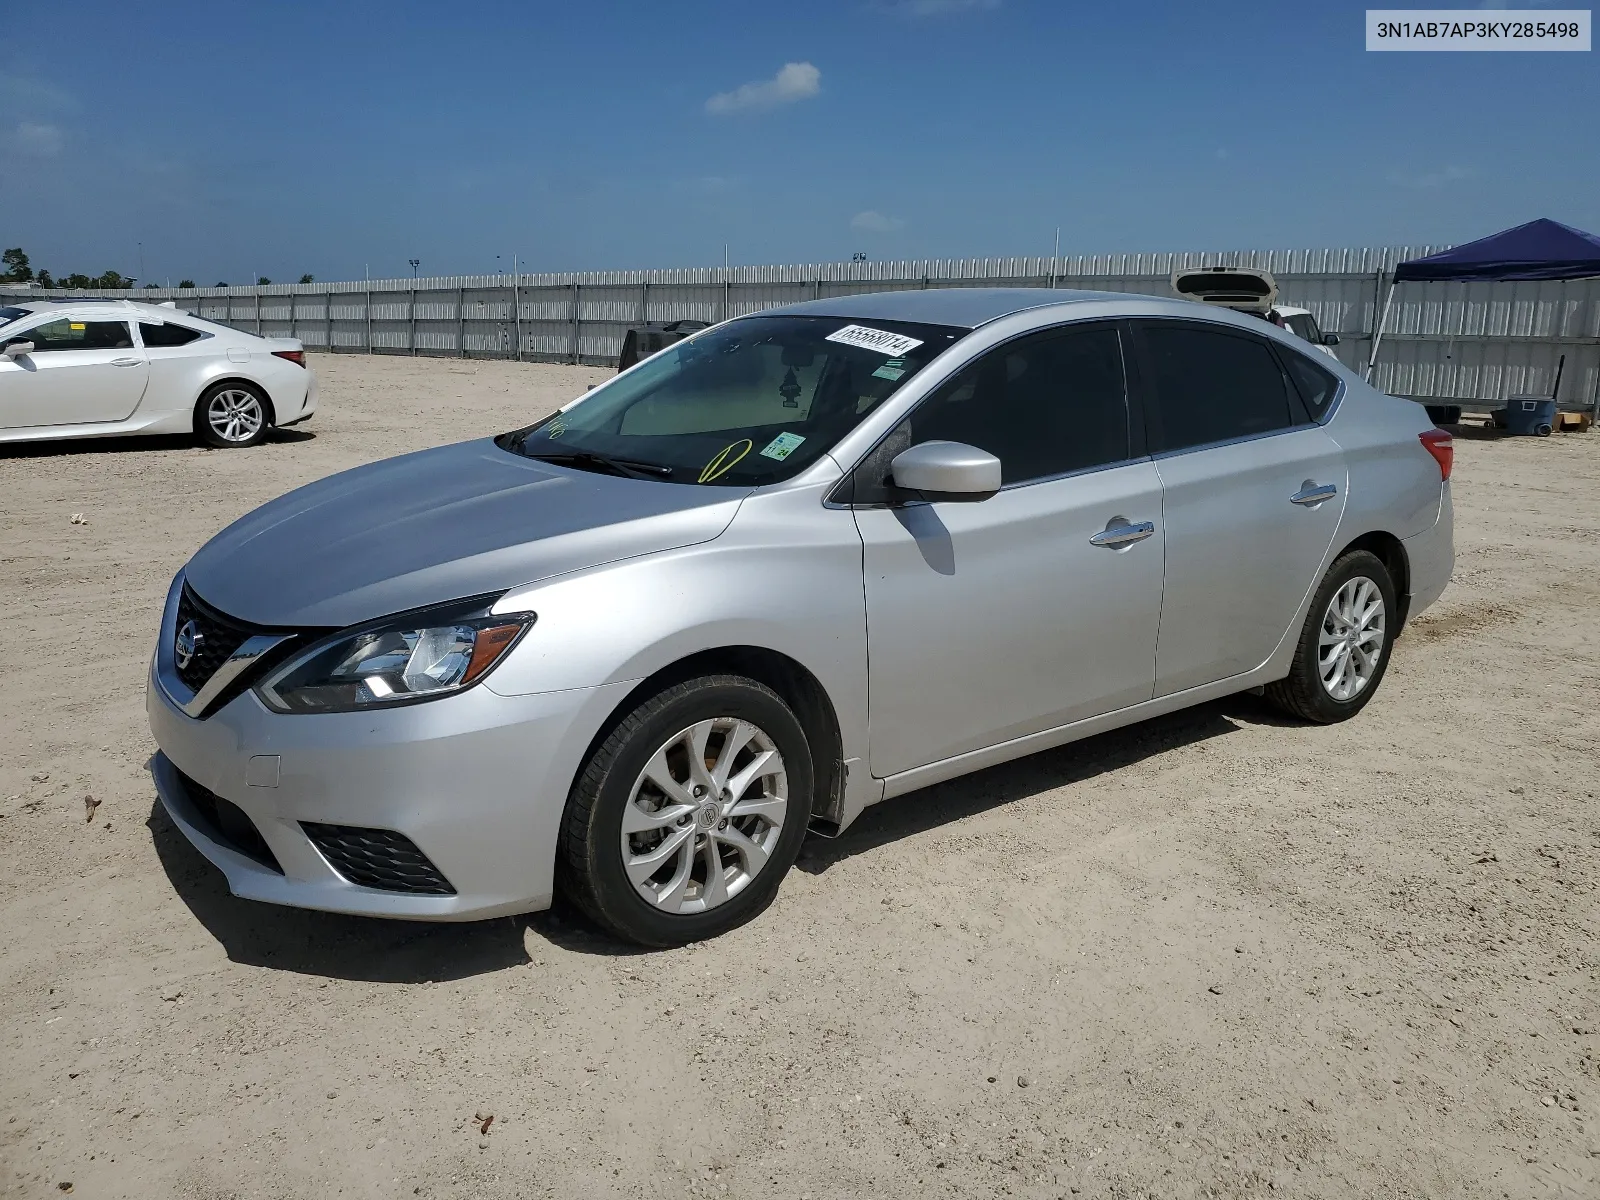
(684, 821)
(1344, 646)
(230, 416)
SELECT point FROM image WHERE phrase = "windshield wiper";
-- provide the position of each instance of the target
(630, 468)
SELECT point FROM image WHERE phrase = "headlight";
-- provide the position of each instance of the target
(400, 660)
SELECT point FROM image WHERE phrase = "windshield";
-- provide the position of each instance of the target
(1304, 325)
(8, 315)
(751, 402)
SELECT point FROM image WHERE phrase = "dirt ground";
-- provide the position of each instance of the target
(1216, 955)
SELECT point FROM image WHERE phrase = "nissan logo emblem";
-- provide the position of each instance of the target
(187, 644)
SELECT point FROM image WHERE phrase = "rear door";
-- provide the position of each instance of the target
(82, 370)
(990, 620)
(1252, 494)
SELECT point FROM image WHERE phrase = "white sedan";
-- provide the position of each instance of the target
(99, 368)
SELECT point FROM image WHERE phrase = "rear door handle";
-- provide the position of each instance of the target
(1117, 536)
(126, 362)
(1313, 494)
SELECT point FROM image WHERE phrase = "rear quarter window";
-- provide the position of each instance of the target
(157, 334)
(1316, 385)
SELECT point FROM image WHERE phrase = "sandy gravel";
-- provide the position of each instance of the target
(1218, 954)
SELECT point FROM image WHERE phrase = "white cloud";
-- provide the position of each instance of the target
(794, 81)
(35, 138)
(1430, 179)
(936, 8)
(873, 221)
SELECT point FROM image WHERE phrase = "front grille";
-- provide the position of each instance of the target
(378, 858)
(227, 823)
(218, 638)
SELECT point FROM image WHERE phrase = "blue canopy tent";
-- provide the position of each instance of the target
(1542, 249)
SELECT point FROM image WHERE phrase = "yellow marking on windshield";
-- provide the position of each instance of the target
(556, 428)
(725, 460)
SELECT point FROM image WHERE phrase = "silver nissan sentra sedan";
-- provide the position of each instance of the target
(797, 564)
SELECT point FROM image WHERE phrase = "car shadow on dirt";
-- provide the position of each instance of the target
(372, 950)
(930, 807)
(317, 943)
(98, 445)
(133, 445)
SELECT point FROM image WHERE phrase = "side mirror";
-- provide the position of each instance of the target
(946, 471)
(16, 349)
(1330, 339)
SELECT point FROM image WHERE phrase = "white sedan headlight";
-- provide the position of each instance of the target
(417, 656)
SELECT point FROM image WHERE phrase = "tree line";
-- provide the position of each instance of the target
(18, 269)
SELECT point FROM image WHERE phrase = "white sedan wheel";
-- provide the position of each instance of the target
(235, 415)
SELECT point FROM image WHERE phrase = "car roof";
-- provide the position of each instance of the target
(41, 304)
(108, 304)
(965, 308)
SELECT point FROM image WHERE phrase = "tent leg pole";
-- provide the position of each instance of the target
(1377, 335)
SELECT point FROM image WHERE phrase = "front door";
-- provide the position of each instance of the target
(79, 372)
(994, 619)
(1253, 493)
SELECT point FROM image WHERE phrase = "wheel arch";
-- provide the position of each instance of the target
(801, 690)
(1391, 552)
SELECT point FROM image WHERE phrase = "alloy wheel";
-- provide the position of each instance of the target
(704, 816)
(235, 415)
(1350, 645)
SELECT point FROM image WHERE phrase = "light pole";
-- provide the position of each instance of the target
(516, 309)
(415, 263)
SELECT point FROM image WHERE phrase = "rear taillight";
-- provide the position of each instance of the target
(1442, 446)
(297, 357)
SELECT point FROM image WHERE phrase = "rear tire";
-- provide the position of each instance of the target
(233, 415)
(1344, 645)
(684, 821)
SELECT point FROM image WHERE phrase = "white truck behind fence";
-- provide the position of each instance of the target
(1447, 343)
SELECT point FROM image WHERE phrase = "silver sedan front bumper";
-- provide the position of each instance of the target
(476, 781)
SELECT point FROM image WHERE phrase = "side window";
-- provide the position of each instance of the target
(1315, 385)
(167, 335)
(1211, 386)
(67, 334)
(1043, 405)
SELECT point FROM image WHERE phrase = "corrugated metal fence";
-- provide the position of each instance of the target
(1445, 341)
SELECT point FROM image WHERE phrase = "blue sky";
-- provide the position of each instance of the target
(233, 139)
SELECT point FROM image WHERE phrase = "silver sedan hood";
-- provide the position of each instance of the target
(435, 526)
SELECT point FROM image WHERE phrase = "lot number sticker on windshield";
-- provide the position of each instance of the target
(782, 446)
(881, 340)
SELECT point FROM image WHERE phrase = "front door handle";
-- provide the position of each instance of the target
(1117, 536)
(1312, 494)
(126, 362)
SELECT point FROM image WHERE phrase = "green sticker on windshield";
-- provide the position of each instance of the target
(890, 371)
(782, 446)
